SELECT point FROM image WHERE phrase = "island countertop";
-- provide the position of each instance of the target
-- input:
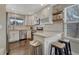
(46, 38)
(46, 34)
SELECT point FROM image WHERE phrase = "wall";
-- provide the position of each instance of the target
(2, 27)
(75, 47)
(56, 27)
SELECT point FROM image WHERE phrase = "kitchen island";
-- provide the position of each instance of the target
(46, 38)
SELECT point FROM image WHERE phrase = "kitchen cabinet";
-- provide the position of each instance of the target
(44, 15)
(29, 20)
(13, 36)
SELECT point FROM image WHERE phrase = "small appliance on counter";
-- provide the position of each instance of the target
(39, 28)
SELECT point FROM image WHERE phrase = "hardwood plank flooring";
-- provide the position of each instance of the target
(20, 48)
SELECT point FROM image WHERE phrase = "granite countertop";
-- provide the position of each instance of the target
(47, 34)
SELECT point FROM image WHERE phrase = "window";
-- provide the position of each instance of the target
(16, 21)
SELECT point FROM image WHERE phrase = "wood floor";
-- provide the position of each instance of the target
(20, 48)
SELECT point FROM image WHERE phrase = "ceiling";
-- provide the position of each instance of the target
(29, 9)
(59, 6)
(25, 9)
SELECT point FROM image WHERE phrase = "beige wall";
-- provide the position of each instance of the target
(2, 27)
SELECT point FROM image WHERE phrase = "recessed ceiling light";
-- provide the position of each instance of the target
(42, 4)
(30, 12)
(48, 8)
(13, 9)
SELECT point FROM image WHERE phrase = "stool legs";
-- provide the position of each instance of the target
(40, 50)
(36, 51)
(70, 49)
(51, 50)
(67, 48)
(60, 51)
(56, 51)
(67, 51)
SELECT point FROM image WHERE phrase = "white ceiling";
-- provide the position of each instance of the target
(25, 9)
(28, 9)
(59, 6)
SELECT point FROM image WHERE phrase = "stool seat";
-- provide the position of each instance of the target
(34, 43)
(58, 44)
(59, 48)
(67, 46)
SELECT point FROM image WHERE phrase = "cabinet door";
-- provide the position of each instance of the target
(13, 36)
(29, 34)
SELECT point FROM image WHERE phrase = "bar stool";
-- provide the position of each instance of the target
(59, 48)
(36, 47)
(32, 34)
(67, 46)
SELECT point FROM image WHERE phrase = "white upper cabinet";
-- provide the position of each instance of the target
(44, 15)
(29, 20)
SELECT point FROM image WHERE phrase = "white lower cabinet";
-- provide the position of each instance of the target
(13, 36)
(2, 51)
